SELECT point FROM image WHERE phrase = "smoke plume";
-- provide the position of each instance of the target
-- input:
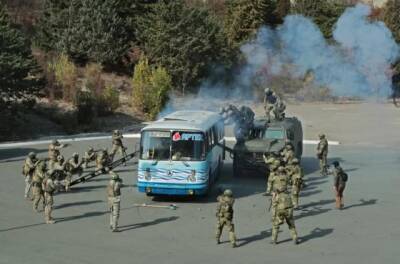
(356, 63)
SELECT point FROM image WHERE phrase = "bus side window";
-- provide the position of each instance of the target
(215, 134)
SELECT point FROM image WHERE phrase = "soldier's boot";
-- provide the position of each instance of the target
(232, 238)
(294, 236)
(341, 204)
(274, 235)
(337, 205)
(48, 218)
(218, 236)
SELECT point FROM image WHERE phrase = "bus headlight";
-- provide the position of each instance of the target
(147, 174)
(192, 176)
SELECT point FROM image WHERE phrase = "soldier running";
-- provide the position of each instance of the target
(28, 170)
(114, 199)
(282, 205)
(322, 153)
(224, 216)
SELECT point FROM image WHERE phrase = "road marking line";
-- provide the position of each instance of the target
(78, 139)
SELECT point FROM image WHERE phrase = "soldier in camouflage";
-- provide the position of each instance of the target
(288, 155)
(49, 186)
(89, 156)
(114, 199)
(273, 165)
(339, 184)
(37, 179)
(282, 205)
(73, 166)
(296, 178)
(117, 145)
(224, 216)
(322, 153)
(102, 160)
(28, 170)
(54, 151)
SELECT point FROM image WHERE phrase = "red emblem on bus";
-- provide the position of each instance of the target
(176, 136)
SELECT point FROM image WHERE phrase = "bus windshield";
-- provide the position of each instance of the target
(187, 146)
(155, 145)
(274, 134)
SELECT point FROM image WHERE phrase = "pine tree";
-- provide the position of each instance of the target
(19, 73)
(186, 41)
(244, 18)
(323, 13)
(96, 30)
(391, 17)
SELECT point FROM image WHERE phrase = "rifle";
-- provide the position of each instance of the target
(98, 172)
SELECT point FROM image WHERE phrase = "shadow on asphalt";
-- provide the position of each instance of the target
(18, 154)
(77, 204)
(316, 233)
(246, 240)
(87, 188)
(311, 212)
(145, 224)
(21, 227)
(85, 215)
(361, 203)
(319, 203)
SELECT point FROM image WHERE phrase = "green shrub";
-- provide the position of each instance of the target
(150, 88)
(66, 76)
(85, 104)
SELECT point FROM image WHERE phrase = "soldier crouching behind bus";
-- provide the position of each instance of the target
(225, 216)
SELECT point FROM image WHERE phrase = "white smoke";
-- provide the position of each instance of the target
(356, 63)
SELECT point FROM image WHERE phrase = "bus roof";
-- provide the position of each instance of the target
(186, 120)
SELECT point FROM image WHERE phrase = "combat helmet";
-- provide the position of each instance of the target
(295, 161)
(60, 157)
(55, 142)
(75, 155)
(281, 169)
(32, 155)
(321, 135)
(113, 175)
(228, 193)
(335, 163)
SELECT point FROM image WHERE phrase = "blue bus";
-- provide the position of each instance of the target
(181, 154)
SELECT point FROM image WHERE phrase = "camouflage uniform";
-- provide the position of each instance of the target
(338, 184)
(288, 155)
(224, 216)
(273, 167)
(28, 171)
(117, 144)
(322, 153)
(90, 155)
(102, 160)
(37, 179)
(114, 199)
(296, 178)
(269, 101)
(59, 171)
(73, 167)
(49, 187)
(282, 206)
(54, 151)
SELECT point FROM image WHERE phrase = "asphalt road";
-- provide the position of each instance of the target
(367, 231)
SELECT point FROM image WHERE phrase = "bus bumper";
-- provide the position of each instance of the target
(173, 189)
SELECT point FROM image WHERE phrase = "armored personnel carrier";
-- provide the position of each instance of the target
(266, 139)
(257, 138)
